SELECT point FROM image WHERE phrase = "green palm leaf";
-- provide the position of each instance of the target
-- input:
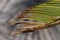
(46, 12)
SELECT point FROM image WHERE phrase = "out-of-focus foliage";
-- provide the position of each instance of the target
(46, 12)
(42, 15)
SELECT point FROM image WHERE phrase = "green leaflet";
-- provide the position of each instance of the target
(45, 12)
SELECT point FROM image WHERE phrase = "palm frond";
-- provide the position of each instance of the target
(46, 15)
(45, 12)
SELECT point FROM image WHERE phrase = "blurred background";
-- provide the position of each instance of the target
(11, 8)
